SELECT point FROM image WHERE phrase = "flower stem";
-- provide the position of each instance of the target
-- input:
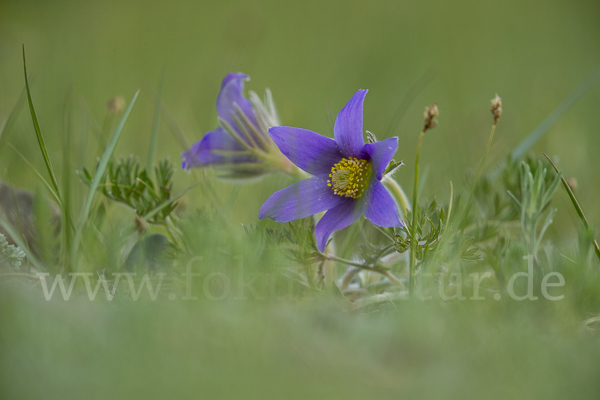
(487, 150)
(328, 262)
(398, 194)
(373, 268)
(413, 230)
(329, 265)
(347, 277)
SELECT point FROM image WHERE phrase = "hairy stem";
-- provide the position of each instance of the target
(373, 268)
(398, 194)
(347, 277)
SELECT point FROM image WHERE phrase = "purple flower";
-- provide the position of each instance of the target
(347, 175)
(241, 144)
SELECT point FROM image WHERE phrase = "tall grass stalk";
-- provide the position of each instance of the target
(479, 171)
(415, 212)
(98, 177)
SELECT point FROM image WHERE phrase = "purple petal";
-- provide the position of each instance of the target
(203, 152)
(314, 153)
(381, 154)
(232, 92)
(300, 200)
(349, 125)
(379, 206)
(339, 217)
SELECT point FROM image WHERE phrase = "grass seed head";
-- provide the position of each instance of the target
(496, 108)
(430, 114)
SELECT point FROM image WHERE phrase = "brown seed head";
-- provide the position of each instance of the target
(115, 105)
(430, 113)
(496, 108)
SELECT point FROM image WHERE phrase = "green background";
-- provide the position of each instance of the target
(314, 55)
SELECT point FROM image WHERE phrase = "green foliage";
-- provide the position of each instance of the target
(393, 167)
(100, 169)
(10, 255)
(532, 201)
(434, 238)
(148, 254)
(578, 208)
(126, 182)
(425, 231)
(295, 238)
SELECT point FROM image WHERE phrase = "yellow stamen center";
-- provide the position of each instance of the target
(350, 177)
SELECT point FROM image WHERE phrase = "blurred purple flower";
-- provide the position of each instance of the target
(347, 175)
(241, 144)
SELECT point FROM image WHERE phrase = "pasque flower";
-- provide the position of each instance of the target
(347, 175)
(240, 146)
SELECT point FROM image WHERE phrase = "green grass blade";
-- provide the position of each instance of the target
(67, 224)
(10, 121)
(555, 115)
(14, 235)
(575, 204)
(39, 175)
(98, 176)
(38, 131)
(155, 123)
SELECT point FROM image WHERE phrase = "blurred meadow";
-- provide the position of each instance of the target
(313, 56)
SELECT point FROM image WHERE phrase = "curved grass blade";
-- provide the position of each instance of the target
(44, 182)
(575, 204)
(555, 115)
(155, 123)
(98, 176)
(39, 175)
(38, 131)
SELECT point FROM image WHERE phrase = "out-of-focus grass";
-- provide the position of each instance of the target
(312, 348)
(314, 56)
